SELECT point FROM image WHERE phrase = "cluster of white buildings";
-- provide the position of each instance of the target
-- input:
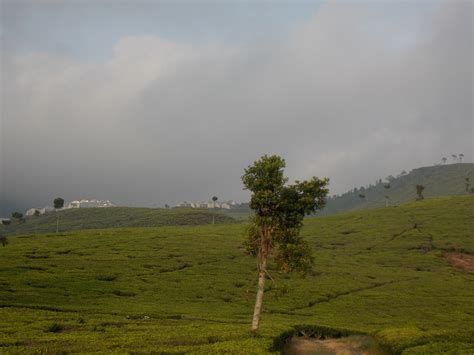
(88, 204)
(73, 204)
(210, 204)
(106, 203)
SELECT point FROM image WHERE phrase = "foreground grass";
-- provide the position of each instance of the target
(192, 289)
(114, 217)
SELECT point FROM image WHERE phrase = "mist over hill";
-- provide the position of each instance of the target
(439, 180)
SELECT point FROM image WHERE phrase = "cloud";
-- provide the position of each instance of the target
(341, 96)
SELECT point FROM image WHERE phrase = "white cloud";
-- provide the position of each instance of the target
(164, 121)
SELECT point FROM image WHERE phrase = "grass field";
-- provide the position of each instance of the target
(113, 217)
(191, 288)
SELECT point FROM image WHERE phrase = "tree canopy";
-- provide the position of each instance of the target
(58, 203)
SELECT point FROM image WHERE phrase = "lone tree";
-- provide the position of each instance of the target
(19, 217)
(58, 203)
(386, 186)
(444, 159)
(419, 192)
(3, 240)
(279, 212)
(461, 156)
(214, 199)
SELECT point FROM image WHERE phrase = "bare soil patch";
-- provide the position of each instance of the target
(461, 260)
(353, 345)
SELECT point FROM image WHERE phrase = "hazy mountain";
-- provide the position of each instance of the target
(440, 180)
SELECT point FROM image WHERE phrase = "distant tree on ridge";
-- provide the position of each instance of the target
(419, 192)
(17, 215)
(3, 240)
(58, 203)
(386, 187)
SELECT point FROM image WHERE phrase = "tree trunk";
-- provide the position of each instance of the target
(262, 270)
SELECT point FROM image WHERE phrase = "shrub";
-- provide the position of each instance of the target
(56, 328)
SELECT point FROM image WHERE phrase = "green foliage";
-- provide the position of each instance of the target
(58, 203)
(56, 328)
(17, 215)
(376, 274)
(266, 182)
(280, 209)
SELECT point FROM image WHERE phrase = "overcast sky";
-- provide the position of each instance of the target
(155, 102)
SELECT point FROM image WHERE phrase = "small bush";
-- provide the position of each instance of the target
(106, 277)
(56, 328)
(123, 293)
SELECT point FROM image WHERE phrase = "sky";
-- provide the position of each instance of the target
(148, 103)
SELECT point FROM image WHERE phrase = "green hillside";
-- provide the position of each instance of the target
(440, 180)
(191, 289)
(113, 217)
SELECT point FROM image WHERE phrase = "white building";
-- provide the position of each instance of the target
(210, 204)
(70, 205)
(88, 204)
(42, 210)
(184, 204)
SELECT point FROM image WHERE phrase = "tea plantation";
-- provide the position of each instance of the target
(113, 217)
(191, 289)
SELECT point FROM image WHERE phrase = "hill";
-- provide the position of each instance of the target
(440, 180)
(113, 217)
(382, 272)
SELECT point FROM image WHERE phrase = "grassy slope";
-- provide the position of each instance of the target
(113, 217)
(374, 272)
(443, 180)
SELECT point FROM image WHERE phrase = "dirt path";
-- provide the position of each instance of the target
(354, 345)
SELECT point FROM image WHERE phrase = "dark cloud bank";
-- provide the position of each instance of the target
(162, 121)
